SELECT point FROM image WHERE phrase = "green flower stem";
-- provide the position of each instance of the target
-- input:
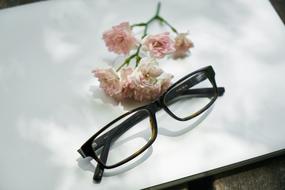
(167, 23)
(158, 9)
(146, 25)
(135, 55)
(139, 24)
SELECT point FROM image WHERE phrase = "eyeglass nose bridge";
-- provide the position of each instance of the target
(155, 106)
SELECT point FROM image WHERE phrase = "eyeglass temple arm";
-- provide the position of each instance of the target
(99, 170)
(203, 92)
(183, 87)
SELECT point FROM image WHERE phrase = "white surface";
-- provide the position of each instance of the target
(48, 49)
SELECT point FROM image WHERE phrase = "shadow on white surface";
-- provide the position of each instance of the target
(87, 165)
(171, 131)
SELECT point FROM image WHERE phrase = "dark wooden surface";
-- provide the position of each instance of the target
(270, 175)
(279, 6)
(265, 172)
(12, 3)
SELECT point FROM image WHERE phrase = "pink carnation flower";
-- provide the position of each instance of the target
(148, 81)
(109, 82)
(120, 38)
(159, 45)
(182, 45)
(125, 73)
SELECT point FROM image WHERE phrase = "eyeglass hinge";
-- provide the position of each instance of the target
(81, 153)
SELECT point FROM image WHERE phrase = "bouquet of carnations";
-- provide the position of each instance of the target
(139, 77)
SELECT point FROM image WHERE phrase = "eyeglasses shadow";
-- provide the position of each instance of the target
(85, 163)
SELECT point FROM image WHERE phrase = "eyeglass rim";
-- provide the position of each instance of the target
(153, 126)
(210, 74)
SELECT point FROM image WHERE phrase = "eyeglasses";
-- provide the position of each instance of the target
(132, 133)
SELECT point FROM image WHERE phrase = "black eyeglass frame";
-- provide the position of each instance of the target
(88, 149)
